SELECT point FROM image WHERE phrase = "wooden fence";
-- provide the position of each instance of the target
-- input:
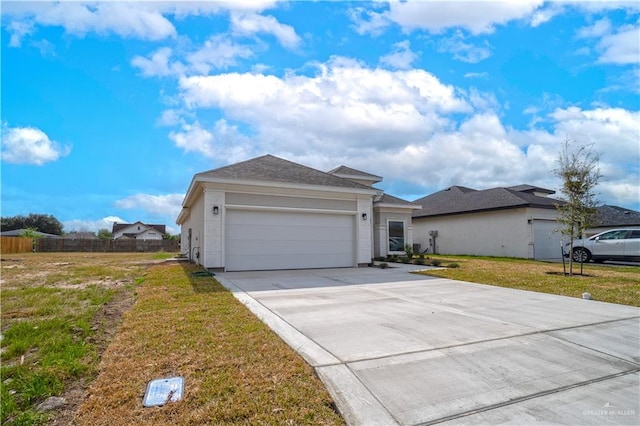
(15, 245)
(86, 245)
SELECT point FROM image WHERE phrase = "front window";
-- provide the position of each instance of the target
(396, 236)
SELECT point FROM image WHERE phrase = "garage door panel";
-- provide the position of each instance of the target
(283, 240)
(289, 247)
(290, 232)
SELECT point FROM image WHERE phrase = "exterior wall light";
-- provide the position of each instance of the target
(364, 216)
(216, 210)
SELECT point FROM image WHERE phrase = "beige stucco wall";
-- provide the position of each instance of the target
(194, 221)
(496, 233)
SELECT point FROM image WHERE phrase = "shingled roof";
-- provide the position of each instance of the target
(460, 200)
(391, 200)
(274, 169)
(616, 216)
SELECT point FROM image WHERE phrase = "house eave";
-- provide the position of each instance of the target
(286, 185)
(397, 206)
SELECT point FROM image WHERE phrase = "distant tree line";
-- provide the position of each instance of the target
(45, 223)
(49, 224)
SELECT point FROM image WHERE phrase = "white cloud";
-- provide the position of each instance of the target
(136, 20)
(404, 125)
(462, 51)
(222, 141)
(158, 64)
(475, 17)
(91, 225)
(621, 48)
(367, 21)
(476, 75)
(218, 52)
(248, 24)
(599, 28)
(194, 138)
(344, 101)
(144, 20)
(18, 30)
(164, 205)
(546, 13)
(29, 145)
(401, 57)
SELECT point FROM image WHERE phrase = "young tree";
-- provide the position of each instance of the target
(104, 234)
(579, 172)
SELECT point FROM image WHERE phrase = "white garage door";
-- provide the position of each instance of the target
(283, 240)
(546, 240)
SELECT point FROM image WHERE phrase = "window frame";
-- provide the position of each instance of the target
(389, 236)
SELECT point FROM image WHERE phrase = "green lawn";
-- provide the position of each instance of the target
(606, 283)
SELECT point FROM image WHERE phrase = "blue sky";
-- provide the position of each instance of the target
(109, 108)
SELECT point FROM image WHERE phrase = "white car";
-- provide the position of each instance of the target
(615, 244)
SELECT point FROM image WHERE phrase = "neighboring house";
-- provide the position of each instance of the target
(611, 217)
(518, 221)
(138, 231)
(18, 233)
(271, 213)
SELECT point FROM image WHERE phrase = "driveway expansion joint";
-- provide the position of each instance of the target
(527, 398)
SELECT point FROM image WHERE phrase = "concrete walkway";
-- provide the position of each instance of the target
(399, 348)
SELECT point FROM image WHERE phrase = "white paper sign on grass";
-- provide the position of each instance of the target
(163, 391)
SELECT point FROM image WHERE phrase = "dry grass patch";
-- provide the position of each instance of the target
(235, 369)
(605, 283)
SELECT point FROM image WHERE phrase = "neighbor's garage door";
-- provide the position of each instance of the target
(546, 240)
(258, 240)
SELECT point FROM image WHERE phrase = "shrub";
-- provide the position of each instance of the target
(421, 256)
(435, 262)
(453, 265)
(408, 250)
(419, 261)
(405, 259)
(394, 258)
(384, 265)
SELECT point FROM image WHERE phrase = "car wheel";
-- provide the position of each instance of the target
(581, 255)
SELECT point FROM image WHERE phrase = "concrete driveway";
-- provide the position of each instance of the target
(399, 348)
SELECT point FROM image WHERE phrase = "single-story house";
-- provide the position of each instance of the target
(19, 232)
(517, 221)
(270, 213)
(137, 231)
(611, 217)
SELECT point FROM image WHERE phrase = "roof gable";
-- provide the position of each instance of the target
(274, 169)
(349, 173)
